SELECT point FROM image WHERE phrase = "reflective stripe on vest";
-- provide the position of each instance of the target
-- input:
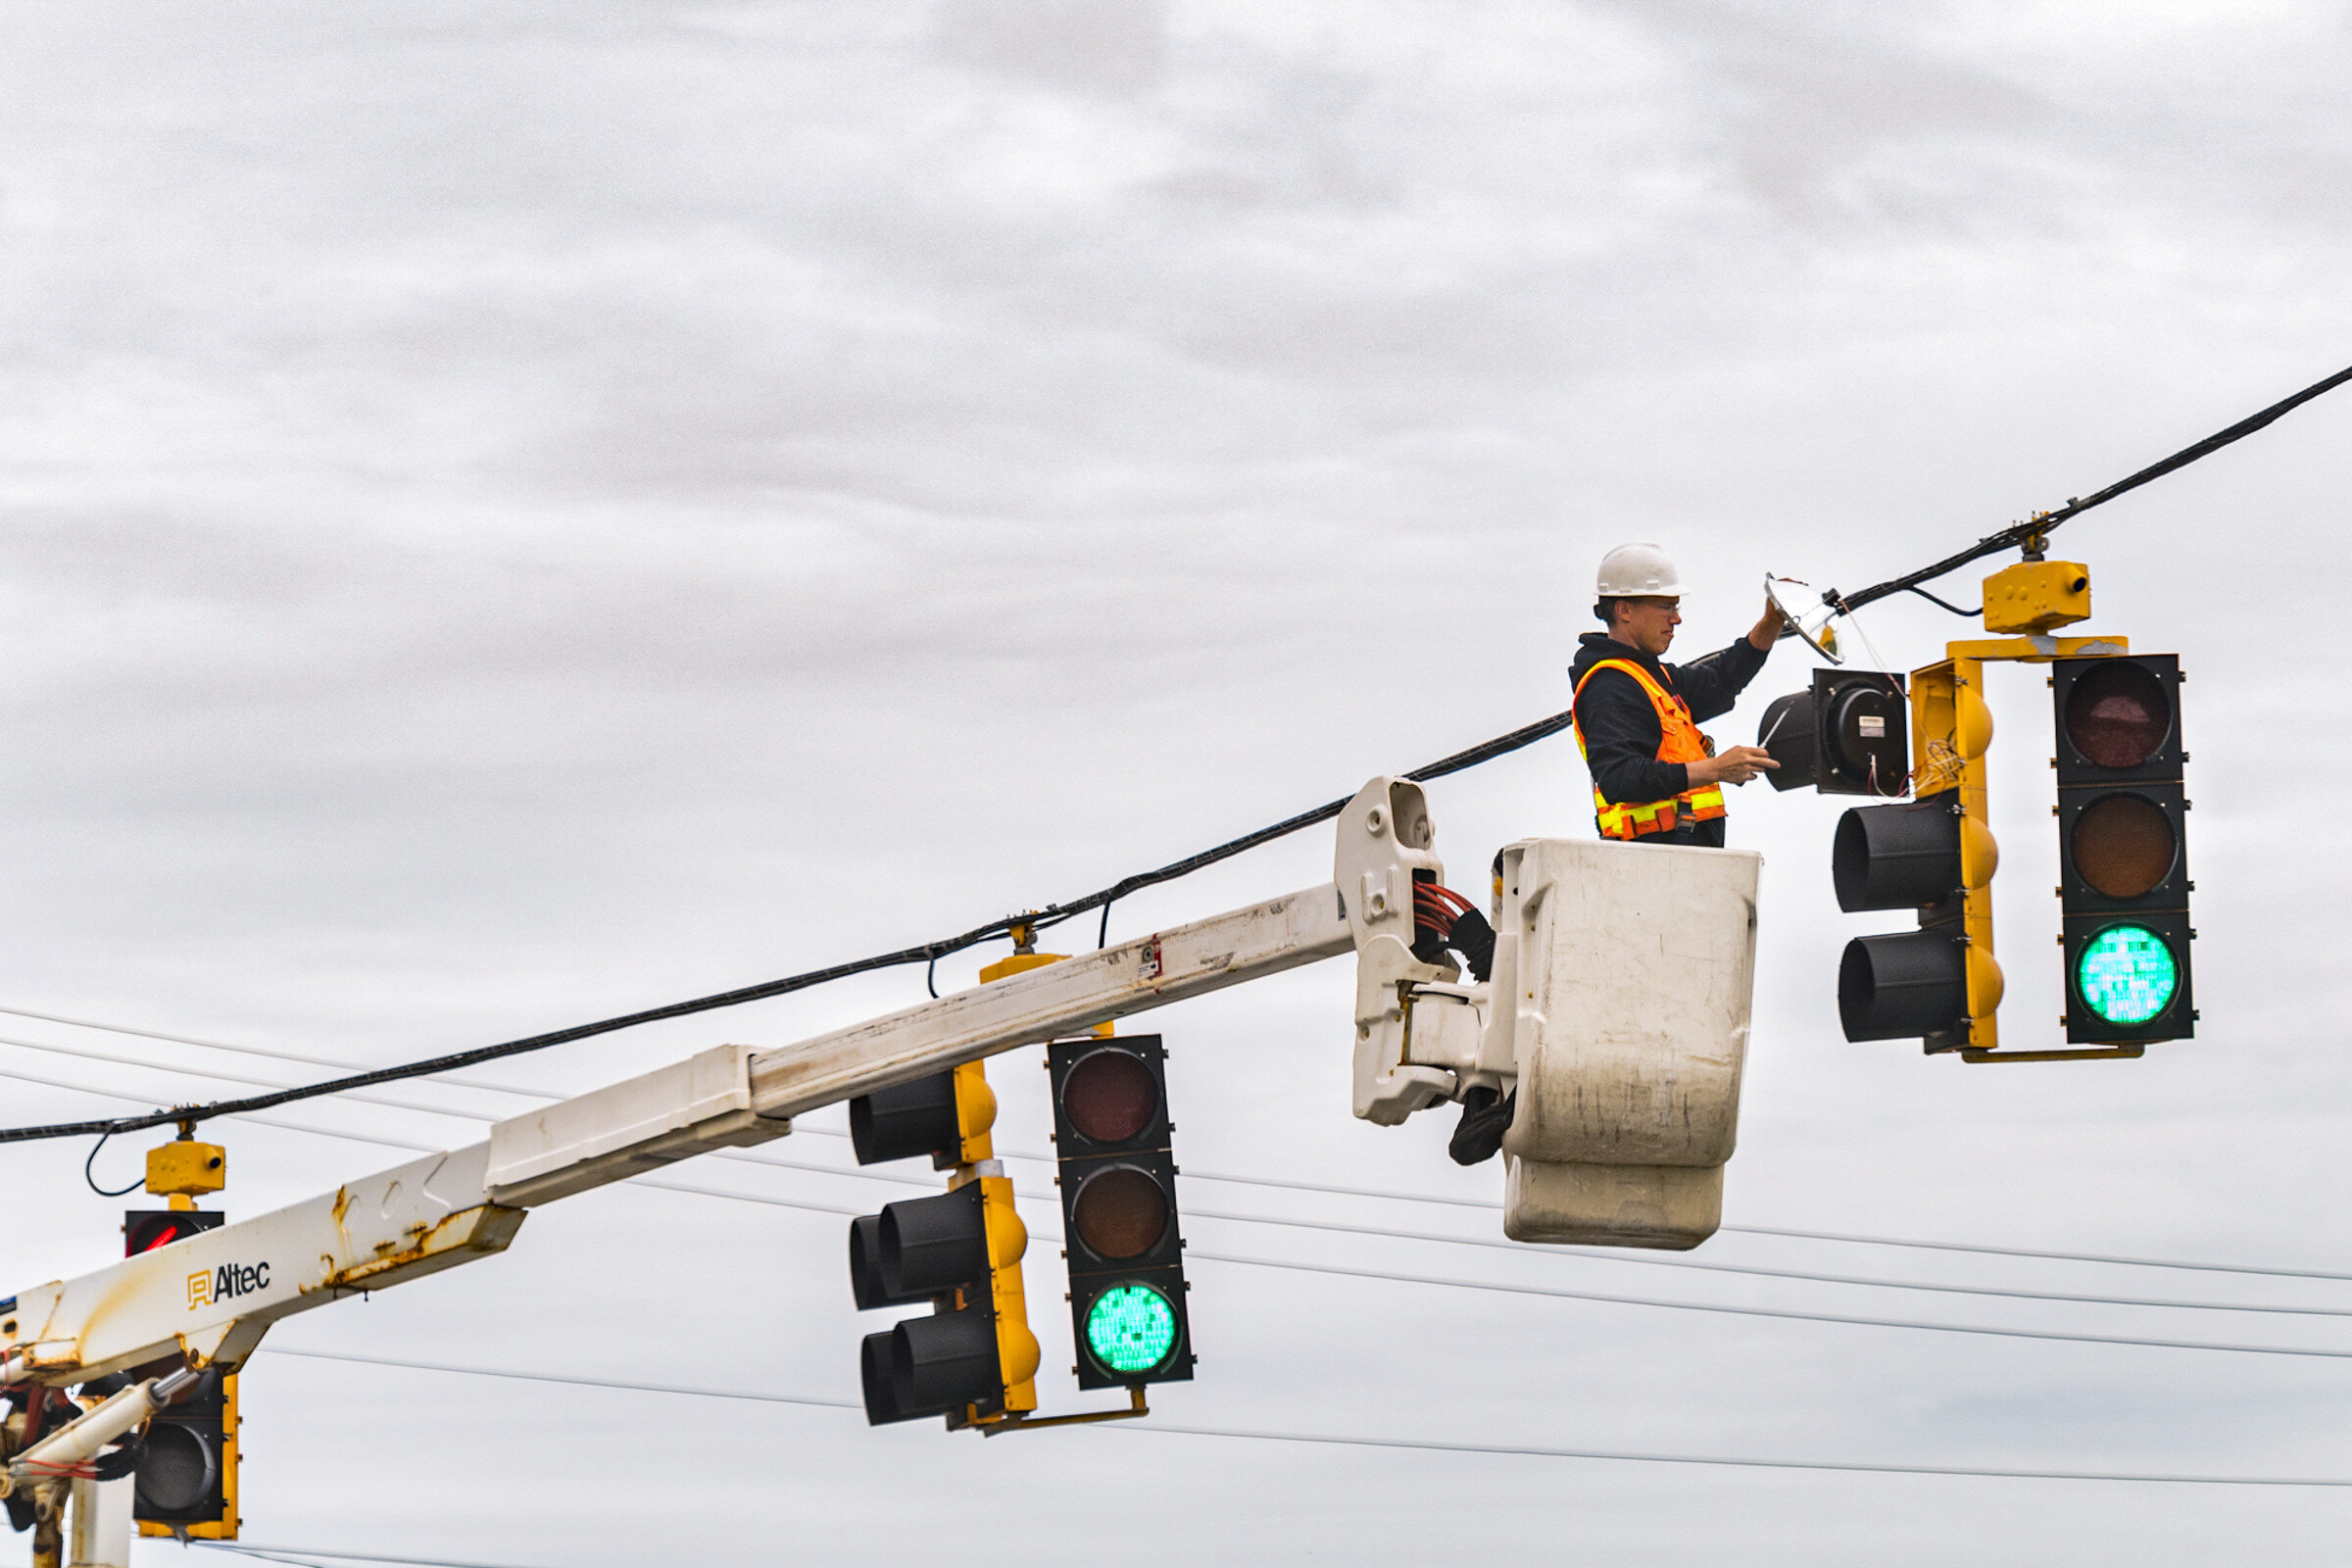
(1679, 741)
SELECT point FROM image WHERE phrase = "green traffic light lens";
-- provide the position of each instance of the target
(1131, 1328)
(2127, 974)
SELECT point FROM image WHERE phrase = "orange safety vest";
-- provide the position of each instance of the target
(1679, 741)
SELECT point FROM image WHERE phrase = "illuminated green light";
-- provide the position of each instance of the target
(2127, 974)
(1131, 1328)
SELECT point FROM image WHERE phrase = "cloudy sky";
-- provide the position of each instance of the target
(517, 515)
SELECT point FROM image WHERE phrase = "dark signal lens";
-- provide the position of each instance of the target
(2118, 715)
(2124, 845)
(1121, 1213)
(177, 1470)
(1109, 1096)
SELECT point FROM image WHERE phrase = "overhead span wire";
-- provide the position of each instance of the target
(1418, 1444)
(2016, 534)
(927, 952)
(930, 953)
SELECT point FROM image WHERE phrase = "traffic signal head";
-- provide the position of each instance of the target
(1118, 1202)
(961, 1250)
(187, 1470)
(947, 1117)
(146, 1229)
(974, 1358)
(2122, 849)
(1927, 855)
(1849, 734)
(1937, 854)
(1896, 856)
(917, 1249)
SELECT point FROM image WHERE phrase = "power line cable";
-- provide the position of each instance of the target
(1397, 1277)
(275, 1554)
(354, 1095)
(1286, 1183)
(1630, 1259)
(2028, 1251)
(1759, 1270)
(269, 1554)
(625, 1384)
(1605, 1298)
(1339, 1227)
(1982, 1472)
(258, 1050)
(1787, 1313)
(257, 1121)
(1419, 1445)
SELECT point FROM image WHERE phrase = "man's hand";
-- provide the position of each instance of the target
(1768, 630)
(1735, 764)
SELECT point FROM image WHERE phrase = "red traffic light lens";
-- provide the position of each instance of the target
(2118, 715)
(2124, 845)
(1121, 1213)
(1109, 1095)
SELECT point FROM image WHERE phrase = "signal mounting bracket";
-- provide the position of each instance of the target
(2134, 1050)
(1020, 1421)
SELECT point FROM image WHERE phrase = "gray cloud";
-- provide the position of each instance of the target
(511, 518)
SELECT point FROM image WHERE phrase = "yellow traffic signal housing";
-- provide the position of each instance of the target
(186, 1483)
(1017, 1350)
(1939, 984)
(1951, 730)
(1942, 982)
(974, 1360)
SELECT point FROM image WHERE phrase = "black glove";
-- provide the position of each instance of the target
(1484, 1119)
(1473, 940)
(115, 1463)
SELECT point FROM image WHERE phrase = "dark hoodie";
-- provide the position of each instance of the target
(1621, 729)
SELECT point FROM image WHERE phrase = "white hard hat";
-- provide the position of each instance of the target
(1636, 572)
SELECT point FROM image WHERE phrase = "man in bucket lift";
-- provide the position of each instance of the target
(1656, 778)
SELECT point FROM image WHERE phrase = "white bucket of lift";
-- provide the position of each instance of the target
(1627, 980)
